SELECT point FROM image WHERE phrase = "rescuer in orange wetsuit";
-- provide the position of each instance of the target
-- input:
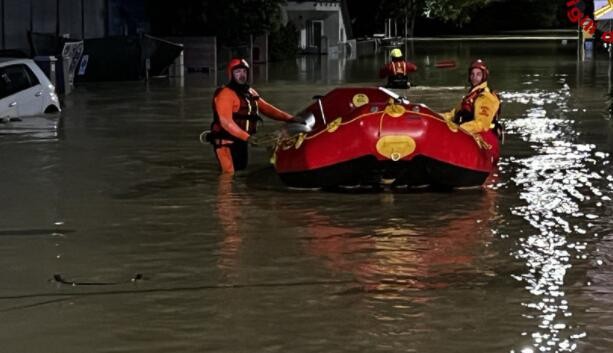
(397, 70)
(236, 108)
(479, 109)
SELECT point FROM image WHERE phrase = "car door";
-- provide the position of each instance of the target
(27, 89)
(8, 105)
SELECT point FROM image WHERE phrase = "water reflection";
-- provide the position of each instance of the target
(228, 210)
(399, 247)
(404, 252)
(556, 183)
(321, 68)
(42, 127)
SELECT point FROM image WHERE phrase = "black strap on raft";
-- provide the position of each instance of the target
(58, 278)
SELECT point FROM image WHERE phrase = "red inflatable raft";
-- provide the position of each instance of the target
(367, 136)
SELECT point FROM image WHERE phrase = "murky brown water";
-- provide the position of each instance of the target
(242, 264)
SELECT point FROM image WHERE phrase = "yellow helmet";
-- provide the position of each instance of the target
(396, 53)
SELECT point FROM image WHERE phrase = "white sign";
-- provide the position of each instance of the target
(83, 65)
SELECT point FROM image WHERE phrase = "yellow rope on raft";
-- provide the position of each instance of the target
(292, 141)
(392, 110)
(455, 128)
(481, 142)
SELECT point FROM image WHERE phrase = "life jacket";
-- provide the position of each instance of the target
(466, 112)
(247, 116)
(399, 67)
(397, 75)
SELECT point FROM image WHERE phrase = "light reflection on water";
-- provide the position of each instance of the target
(553, 183)
(40, 128)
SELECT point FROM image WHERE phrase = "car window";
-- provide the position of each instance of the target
(4, 84)
(33, 79)
(17, 78)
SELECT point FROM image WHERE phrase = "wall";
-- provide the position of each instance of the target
(199, 53)
(126, 17)
(300, 13)
(77, 18)
(331, 25)
(1, 25)
(17, 22)
(94, 14)
(43, 16)
(71, 17)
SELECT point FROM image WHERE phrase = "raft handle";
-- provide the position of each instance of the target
(321, 108)
(395, 96)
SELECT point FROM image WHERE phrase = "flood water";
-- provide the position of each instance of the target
(123, 187)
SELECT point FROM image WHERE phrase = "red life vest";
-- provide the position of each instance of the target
(246, 117)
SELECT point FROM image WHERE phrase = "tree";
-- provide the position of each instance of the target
(362, 21)
(182, 18)
(521, 14)
(458, 12)
(283, 43)
(403, 11)
(232, 21)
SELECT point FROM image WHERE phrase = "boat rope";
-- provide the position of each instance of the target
(290, 141)
(455, 127)
(381, 123)
(178, 288)
(203, 137)
(297, 139)
(481, 142)
(58, 278)
(268, 140)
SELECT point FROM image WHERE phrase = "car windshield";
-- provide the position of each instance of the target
(15, 78)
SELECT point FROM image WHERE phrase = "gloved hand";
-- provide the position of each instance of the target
(253, 140)
(296, 120)
(448, 116)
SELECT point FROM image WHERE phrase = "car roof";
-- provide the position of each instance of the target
(5, 60)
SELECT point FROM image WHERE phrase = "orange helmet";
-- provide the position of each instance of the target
(236, 63)
(479, 64)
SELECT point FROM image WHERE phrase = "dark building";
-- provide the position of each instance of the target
(78, 19)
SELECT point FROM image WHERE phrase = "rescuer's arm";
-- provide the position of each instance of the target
(486, 106)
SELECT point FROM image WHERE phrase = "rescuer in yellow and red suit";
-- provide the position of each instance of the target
(479, 109)
(397, 71)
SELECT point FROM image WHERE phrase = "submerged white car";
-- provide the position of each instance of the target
(24, 90)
